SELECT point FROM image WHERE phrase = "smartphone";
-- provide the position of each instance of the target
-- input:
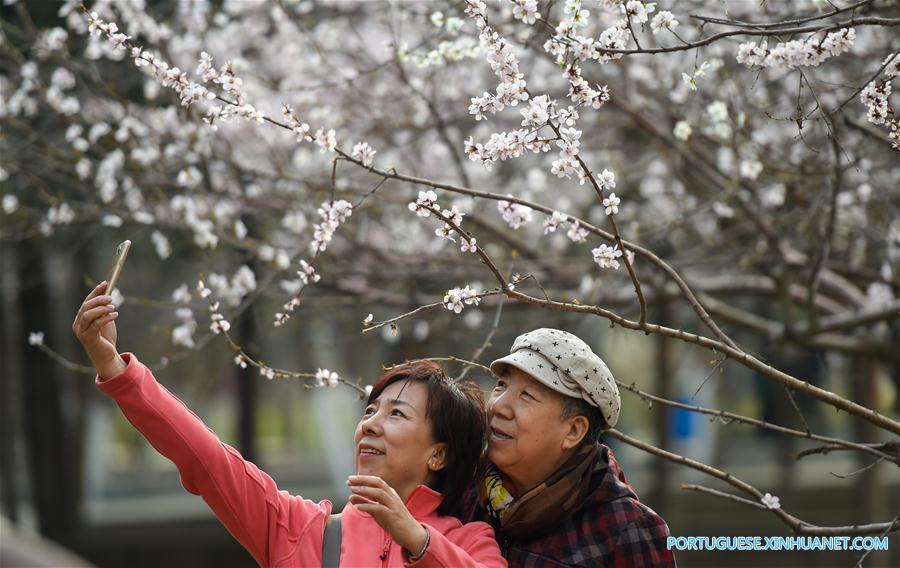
(115, 269)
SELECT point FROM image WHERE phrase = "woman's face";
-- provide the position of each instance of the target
(394, 439)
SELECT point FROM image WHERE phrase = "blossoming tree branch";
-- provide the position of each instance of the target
(617, 154)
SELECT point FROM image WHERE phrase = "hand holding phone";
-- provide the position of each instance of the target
(115, 269)
(94, 323)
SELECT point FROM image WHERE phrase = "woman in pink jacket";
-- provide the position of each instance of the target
(418, 444)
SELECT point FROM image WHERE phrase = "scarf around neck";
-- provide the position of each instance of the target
(544, 506)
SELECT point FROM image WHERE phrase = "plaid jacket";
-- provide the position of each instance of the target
(612, 529)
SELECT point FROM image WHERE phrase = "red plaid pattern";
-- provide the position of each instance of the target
(613, 528)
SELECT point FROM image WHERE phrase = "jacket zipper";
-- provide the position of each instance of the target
(385, 550)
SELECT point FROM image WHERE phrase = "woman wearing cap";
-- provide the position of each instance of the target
(418, 444)
(552, 491)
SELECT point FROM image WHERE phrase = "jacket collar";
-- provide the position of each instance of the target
(608, 481)
(424, 501)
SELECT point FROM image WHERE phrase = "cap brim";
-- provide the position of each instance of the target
(529, 365)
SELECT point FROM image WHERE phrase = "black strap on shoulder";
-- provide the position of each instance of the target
(331, 542)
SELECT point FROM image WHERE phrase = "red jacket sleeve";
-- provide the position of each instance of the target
(244, 498)
(477, 548)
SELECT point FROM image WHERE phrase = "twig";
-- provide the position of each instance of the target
(487, 340)
(452, 359)
(730, 417)
(858, 471)
(888, 450)
(728, 22)
(872, 21)
(723, 494)
(797, 525)
(886, 532)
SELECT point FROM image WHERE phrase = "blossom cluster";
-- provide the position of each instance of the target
(526, 10)
(514, 214)
(796, 53)
(219, 323)
(333, 214)
(426, 204)
(503, 62)
(183, 334)
(364, 153)
(175, 78)
(233, 290)
(665, 20)
(505, 145)
(582, 93)
(324, 377)
(876, 97)
(456, 298)
(606, 256)
(568, 143)
(326, 140)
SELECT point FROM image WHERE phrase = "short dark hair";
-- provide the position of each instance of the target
(458, 419)
(596, 423)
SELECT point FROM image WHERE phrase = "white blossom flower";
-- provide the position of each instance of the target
(514, 214)
(181, 294)
(453, 215)
(267, 372)
(189, 178)
(325, 140)
(718, 111)
(83, 168)
(665, 20)
(537, 113)
(606, 179)
(554, 221)
(456, 298)
(324, 377)
(117, 298)
(10, 203)
(564, 167)
(111, 221)
(240, 361)
(425, 204)
(577, 233)
(611, 204)
(526, 10)
(605, 256)
(750, 169)
(161, 244)
(203, 290)
(879, 294)
(364, 153)
(682, 130)
(698, 71)
(307, 273)
(468, 245)
(294, 221)
(333, 214)
(36, 338)
(771, 501)
(183, 334)
(368, 321)
(638, 11)
(219, 323)
(569, 142)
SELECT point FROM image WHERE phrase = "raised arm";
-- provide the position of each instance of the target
(263, 519)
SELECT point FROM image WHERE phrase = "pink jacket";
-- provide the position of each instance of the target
(277, 528)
